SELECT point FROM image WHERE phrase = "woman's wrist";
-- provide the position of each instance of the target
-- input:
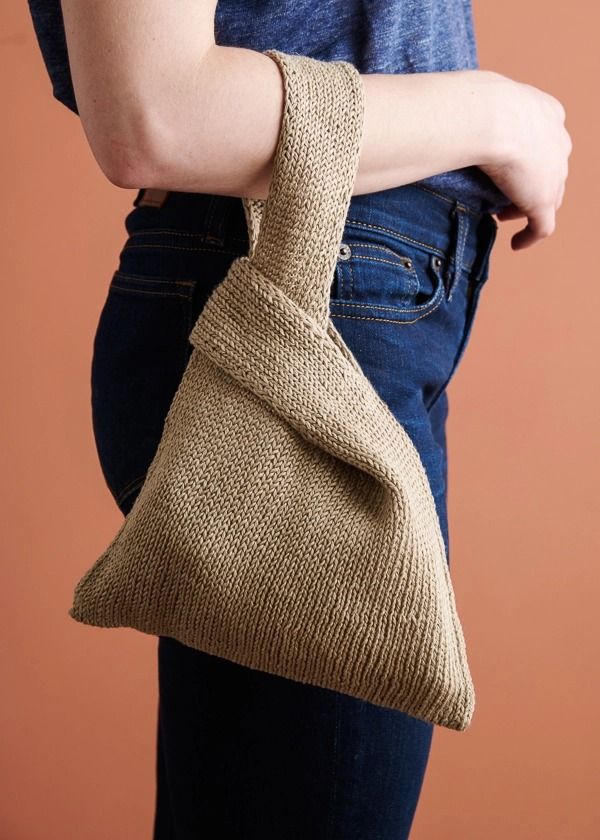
(493, 96)
(418, 125)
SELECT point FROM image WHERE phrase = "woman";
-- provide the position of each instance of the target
(181, 99)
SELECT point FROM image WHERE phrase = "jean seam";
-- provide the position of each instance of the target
(153, 278)
(215, 249)
(115, 287)
(457, 262)
(183, 233)
(351, 269)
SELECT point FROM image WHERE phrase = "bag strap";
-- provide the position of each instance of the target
(295, 233)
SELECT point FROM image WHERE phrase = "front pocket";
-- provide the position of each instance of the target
(379, 276)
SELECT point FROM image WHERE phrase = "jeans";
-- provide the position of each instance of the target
(244, 754)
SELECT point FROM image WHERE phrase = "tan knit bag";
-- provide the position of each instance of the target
(286, 522)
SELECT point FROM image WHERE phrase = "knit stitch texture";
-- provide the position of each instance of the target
(286, 522)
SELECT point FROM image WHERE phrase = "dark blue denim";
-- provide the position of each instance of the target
(241, 753)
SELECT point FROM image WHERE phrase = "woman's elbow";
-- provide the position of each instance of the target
(125, 150)
(122, 165)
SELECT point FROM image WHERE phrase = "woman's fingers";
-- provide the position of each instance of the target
(539, 226)
(511, 211)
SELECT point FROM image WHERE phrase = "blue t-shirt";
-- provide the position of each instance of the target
(379, 36)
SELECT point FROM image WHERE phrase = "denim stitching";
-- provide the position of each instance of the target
(153, 278)
(387, 320)
(351, 279)
(156, 231)
(393, 233)
(402, 237)
(457, 258)
(369, 258)
(341, 281)
(217, 249)
(438, 291)
(370, 245)
(385, 248)
(412, 273)
(449, 200)
(177, 232)
(116, 287)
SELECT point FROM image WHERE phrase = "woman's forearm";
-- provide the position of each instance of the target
(214, 127)
(218, 133)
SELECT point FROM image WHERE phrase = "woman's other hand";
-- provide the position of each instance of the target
(529, 160)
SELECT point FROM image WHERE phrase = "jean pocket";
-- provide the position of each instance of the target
(381, 276)
(140, 351)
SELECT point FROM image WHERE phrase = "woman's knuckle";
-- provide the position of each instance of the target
(549, 227)
(544, 224)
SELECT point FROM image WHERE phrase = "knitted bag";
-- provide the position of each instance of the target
(286, 522)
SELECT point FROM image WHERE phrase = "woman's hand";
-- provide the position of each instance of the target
(530, 161)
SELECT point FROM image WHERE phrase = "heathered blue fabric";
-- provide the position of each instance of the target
(377, 36)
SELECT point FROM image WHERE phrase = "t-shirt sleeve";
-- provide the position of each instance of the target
(50, 33)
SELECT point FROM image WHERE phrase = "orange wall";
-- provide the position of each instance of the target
(78, 707)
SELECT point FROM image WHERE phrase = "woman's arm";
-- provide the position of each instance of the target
(163, 106)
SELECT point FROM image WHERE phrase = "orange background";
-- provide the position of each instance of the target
(78, 708)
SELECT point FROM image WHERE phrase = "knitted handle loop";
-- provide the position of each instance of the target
(296, 231)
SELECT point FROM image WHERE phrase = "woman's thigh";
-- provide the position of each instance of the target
(242, 753)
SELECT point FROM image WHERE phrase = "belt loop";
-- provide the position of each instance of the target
(461, 228)
(491, 231)
(217, 212)
(149, 197)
